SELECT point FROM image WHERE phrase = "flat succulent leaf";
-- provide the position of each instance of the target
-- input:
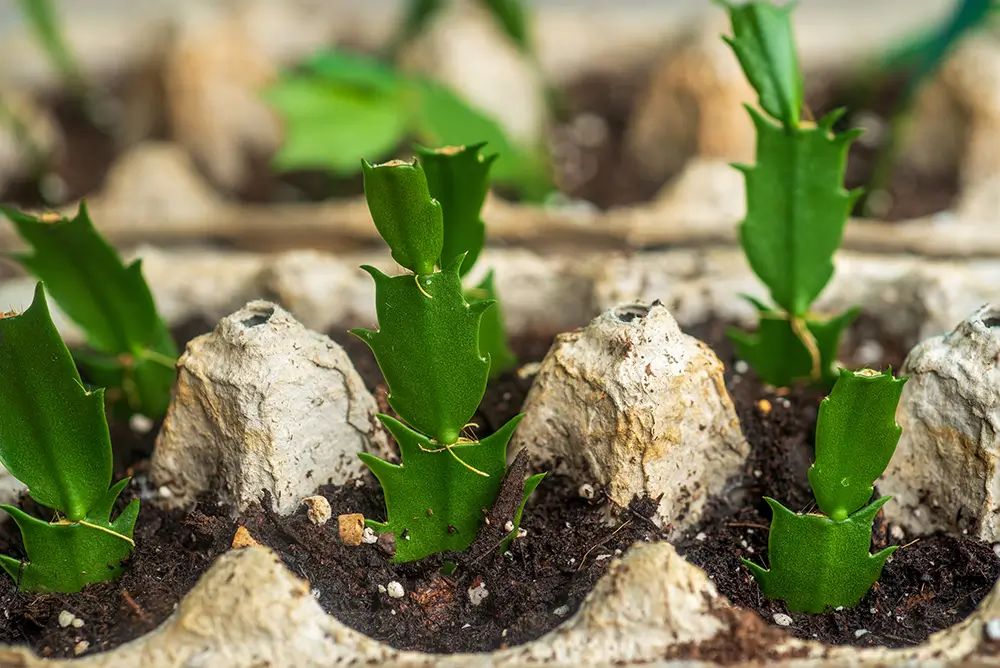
(530, 485)
(141, 386)
(765, 46)
(66, 557)
(459, 178)
(331, 123)
(434, 501)
(108, 300)
(856, 435)
(920, 55)
(427, 346)
(778, 355)
(796, 208)
(419, 14)
(513, 20)
(53, 433)
(353, 69)
(818, 563)
(406, 216)
(442, 118)
(492, 331)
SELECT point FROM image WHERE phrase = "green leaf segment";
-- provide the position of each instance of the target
(459, 177)
(131, 349)
(823, 561)
(338, 107)
(427, 346)
(796, 205)
(510, 15)
(54, 438)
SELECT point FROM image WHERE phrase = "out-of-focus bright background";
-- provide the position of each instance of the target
(159, 112)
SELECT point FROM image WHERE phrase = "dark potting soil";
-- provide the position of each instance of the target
(540, 582)
(928, 585)
(173, 549)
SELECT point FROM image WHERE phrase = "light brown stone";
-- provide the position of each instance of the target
(350, 528)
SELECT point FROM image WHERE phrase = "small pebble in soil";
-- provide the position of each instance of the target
(387, 543)
(741, 367)
(860, 632)
(993, 629)
(586, 491)
(508, 526)
(561, 611)
(350, 527)
(242, 538)
(478, 593)
(81, 647)
(368, 536)
(395, 590)
(140, 424)
(319, 512)
(781, 619)
(66, 618)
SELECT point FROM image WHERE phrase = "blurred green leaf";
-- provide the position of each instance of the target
(444, 119)
(108, 300)
(780, 357)
(341, 107)
(492, 329)
(354, 70)
(513, 20)
(44, 20)
(419, 14)
(330, 125)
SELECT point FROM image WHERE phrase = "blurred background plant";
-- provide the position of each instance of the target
(920, 56)
(589, 105)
